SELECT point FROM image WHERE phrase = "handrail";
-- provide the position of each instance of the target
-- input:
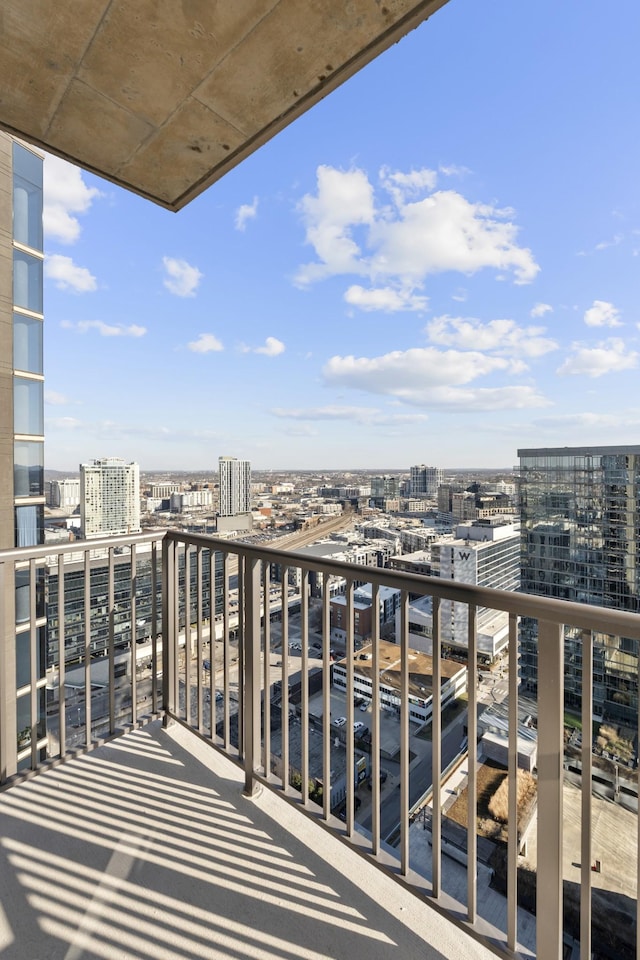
(582, 615)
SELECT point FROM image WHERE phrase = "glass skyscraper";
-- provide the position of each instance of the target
(580, 510)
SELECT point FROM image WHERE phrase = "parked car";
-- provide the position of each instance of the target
(358, 724)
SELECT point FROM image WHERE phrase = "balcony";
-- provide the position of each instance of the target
(195, 796)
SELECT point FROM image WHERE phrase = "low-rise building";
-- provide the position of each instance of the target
(453, 682)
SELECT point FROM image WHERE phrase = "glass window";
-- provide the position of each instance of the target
(29, 526)
(27, 164)
(27, 281)
(27, 213)
(27, 344)
(28, 406)
(28, 469)
(23, 657)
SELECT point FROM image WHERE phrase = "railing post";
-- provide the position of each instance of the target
(550, 783)
(169, 633)
(251, 699)
(8, 720)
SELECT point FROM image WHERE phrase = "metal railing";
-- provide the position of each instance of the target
(213, 651)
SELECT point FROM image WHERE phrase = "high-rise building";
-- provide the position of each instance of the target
(109, 497)
(580, 510)
(424, 481)
(235, 494)
(484, 553)
(64, 494)
(21, 418)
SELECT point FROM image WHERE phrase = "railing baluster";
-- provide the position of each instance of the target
(436, 751)
(326, 697)
(62, 691)
(586, 793)
(213, 648)
(251, 750)
(33, 664)
(512, 826)
(404, 733)
(87, 645)
(154, 628)
(199, 654)
(8, 714)
(284, 703)
(375, 720)
(304, 687)
(266, 676)
(112, 647)
(349, 712)
(134, 636)
(242, 636)
(225, 652)
(169, 633)
(187, 634)
(472, 766)
(550, 782)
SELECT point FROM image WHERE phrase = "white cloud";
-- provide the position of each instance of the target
(540, 309)
(503, 336)
(405, 242)
(343, 201)
(65, 193)
(63, 423)
(602, 314)
(610, 356)
(105, 329)
(182, 279)
(403, 186)
(387, 299)
(206, 343)
(370, 415)
(614, 242)
(247, 211)
(589, 421)
(272, 347)
(432, 378)
(453, 170)
(67, 275)
(55, 399)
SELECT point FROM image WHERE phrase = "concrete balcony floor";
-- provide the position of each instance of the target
(146, 848)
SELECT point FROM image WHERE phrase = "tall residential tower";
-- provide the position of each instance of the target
(580, 509)
(235, 494)
(109, 497)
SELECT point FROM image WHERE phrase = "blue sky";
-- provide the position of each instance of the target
(437, 264)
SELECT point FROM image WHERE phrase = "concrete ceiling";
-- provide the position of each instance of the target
(165, 96)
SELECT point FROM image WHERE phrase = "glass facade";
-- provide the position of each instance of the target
(27, 281)
(580, 512)
(28, 468)
(27, 344)
(28, 406)
(74, 609)
(27, 197)
(28, 422)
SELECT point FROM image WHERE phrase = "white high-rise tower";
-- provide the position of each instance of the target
(235, 494)
(109, 497)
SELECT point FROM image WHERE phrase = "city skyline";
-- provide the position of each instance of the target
(435, 265)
